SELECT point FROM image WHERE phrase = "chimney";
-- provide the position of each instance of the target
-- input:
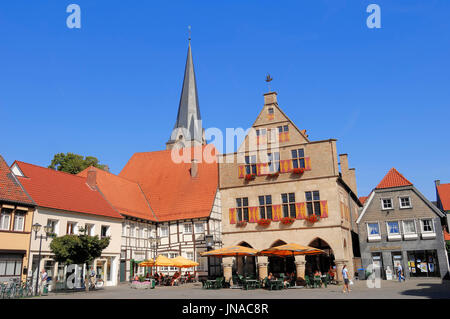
(348, 174)
(270, 98)
(194, 168)
(437, 182)
(91, 179)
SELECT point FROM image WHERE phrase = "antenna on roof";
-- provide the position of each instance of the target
(189, 32)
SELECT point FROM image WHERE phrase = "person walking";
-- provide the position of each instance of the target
(346, 279)
(44, 277)
(400, 273)
(92, 278)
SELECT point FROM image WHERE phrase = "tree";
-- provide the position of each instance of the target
(74, 163)
(78, 249)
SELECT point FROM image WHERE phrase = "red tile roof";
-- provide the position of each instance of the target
(126, 196)
(444, 195)
(171, 191)
(446, 235)
(363, 199)
(393, 179)
(63, 191)
(10, 188)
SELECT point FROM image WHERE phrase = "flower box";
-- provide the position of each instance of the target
(276, 174)
(264, 222)
(313, 218)
(287, 220)
(141, 285)
(250, 177)
(298, 170)
(242, 223)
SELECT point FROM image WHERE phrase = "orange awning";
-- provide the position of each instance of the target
(290, 250)
(231, 251)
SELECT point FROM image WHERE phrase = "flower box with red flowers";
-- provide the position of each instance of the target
(242, 223)
(264, 222)
(287, 220)
(274, 174)
(298, 170)
(250, 177)
(313, 218)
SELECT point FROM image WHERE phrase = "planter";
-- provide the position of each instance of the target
(141, 285)
(313, 218)
(242, 223)
(287, 220)
(264, 222)
(298, 170)
(250, 177)
(276, 174)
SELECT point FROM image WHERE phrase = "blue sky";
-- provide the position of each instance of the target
(112, 88)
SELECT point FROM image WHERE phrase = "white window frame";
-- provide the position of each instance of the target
(56, 227)
(427, 234)
(202, 227)
(188, 225)
(400, 202)
(409, 235)
(74, 228)
(373, 237)
(166, 233)
(108, 230)
(393, 236)
(6, 214)
(382, 203)
(21, 216)
(92, 228)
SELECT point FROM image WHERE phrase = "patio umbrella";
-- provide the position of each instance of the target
(147, 263)
(182, 262)
(164, 261)
(231, 251)
(291, 249)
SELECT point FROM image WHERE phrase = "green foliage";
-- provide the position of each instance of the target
(447, 245)
(73, 163)
(78, 249)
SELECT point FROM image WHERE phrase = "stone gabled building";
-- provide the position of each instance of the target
(282, 177)
(398, 225)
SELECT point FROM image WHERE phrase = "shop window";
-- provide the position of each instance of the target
(386, 203)
(313, 203)
(289, 209)
(265, 207)
(5, 219)
(298, 158)
(242, 209)
(405, 202)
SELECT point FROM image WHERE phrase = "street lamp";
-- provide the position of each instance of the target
(36, 228)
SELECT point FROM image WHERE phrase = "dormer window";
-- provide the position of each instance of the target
(386, 203)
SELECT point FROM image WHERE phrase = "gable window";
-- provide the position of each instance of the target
(242, 209)
(313, 203)
(265, 207)
(70, 230)
(188, 228)
(393, 230)
(199, 228)
(386, 203)
(373, 231)
(270, 110)
(19, 219)
(164, 231)
(104, 231)
(5, 219)
(288, 205)
(274, 162)
(250, 164)
(298, 158)
(283, 128)
(405, 202)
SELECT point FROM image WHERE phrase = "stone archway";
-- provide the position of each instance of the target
(281, 265)
(245, 265)
(321, 262)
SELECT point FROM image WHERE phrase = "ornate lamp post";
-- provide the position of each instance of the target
(47, 229)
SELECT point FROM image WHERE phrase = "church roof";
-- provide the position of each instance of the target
(169, 187)
(188, 110)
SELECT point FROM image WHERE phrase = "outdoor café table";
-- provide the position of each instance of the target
(250, 284)
(277, 283)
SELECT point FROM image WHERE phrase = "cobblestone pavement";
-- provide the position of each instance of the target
(414, 288)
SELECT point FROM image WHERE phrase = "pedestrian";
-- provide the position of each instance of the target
(346, 279)
(44, 277)
(92, 278)
(400, 273)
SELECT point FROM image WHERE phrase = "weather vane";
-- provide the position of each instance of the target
(189, 31)
(268, 80)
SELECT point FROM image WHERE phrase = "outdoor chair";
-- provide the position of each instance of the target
(308, 282)
(235, 280)
(219, 283)
(227, 284)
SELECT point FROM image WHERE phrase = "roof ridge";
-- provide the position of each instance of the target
(47, 168)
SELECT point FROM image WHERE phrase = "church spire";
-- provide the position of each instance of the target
(188, 130)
